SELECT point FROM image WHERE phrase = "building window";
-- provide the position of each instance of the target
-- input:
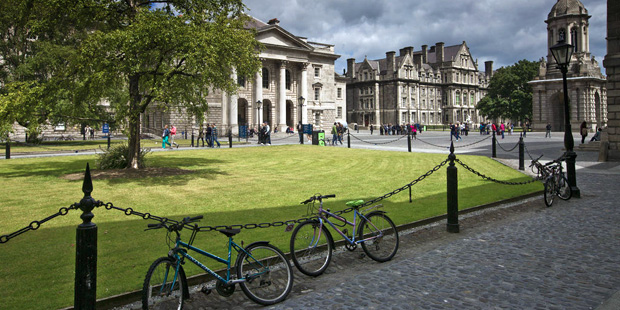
(471, 99)
(365, 76)
(288, 79)
(573, 39)
(562, 35)
(317, 119)
(339, 112)
(241, 81)
(339, 93)
(265, 78)
(458, 98)
(317, 94)
(317, 72)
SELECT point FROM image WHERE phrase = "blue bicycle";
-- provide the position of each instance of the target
(262, 271)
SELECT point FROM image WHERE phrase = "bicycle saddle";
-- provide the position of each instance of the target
(229, 232)
(355, 203)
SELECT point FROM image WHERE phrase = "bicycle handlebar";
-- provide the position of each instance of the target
(319, 197)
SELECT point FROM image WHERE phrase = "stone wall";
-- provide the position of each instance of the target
(612, 66)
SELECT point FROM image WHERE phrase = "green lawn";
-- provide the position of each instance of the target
(227, 186)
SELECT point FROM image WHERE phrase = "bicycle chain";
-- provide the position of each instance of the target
(492, 179)
(34, 225)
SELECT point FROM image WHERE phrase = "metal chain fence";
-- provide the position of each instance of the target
(492, 179)
(34, 225)
(507, 151)
(375, 143)
(456, 147)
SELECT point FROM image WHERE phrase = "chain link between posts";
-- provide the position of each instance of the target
(507, 151)
(34, 225)
(375, 143)
(492, 179)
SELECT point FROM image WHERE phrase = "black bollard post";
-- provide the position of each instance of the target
(521, 155)
(192, 139)
(230, 139)
(410, 201)
(493, 141)
(85, 291)
(453, 193)
(409, 144)
(8, 150)
(348, 139)
(108, 141)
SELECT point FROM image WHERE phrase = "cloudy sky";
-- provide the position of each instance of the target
(504, 31)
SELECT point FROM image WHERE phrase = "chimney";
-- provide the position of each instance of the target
(391, 61)
(273, 21)
(406, 51)
(439, 52)
(488, 68)
(417, 60)
(424, 53)
(351, 68)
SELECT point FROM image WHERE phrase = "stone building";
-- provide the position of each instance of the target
(296, 83)
(433, 86)
(612, 65)
(568, 20)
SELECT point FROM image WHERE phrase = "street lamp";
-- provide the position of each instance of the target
(562, 53)
(302, 101)
(259, 104)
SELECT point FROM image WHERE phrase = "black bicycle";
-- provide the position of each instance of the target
(554, 178)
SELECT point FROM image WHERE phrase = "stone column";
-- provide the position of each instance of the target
(282, 97)
(304, 92)
(258, 97)
(232, 107)
(376, 105)
(612, 66)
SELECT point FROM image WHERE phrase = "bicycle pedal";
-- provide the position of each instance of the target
(205, 290)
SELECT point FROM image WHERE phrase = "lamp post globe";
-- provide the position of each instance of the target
(562, 53)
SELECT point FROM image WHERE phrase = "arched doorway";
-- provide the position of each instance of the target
(290, 122)
(556, 112)
(242, 111)
(267, 111)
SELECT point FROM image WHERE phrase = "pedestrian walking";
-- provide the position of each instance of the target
(334, 134)
(548, 133)
(208, 136)
(584, 131)
(201, 136)
(164, 138)
(300, 131)
(214, 139)
(267, 133)
(173, 133)
(502, 129)
(371, 129)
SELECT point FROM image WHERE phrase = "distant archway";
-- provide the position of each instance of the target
(556, 111)
(242, 111)
(267, 111)
(290, 122)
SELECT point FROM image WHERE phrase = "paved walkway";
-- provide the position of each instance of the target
(518, 256)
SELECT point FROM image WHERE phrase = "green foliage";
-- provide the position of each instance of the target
(510, 95)
(117, 157)
(63, 58)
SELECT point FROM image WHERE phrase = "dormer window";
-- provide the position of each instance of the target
(365, 76)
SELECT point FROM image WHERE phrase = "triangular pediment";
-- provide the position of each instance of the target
(276, 35)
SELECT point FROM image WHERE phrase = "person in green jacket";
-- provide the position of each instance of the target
(334, 134)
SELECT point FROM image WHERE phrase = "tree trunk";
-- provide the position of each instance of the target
(134, 123)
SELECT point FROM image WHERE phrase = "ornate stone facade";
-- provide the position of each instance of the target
(297, 83)
(568, 20)
(431, 86)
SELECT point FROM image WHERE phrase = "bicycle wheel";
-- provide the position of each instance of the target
(163, 287)
(383, 236)
(549, 191)
(268, 274)
(311, 248)
(564, 190)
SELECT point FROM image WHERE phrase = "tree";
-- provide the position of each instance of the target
(510, 95)
(135, 53)
(170, 55)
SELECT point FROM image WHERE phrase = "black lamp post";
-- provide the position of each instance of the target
(562, 53)
(259, 104)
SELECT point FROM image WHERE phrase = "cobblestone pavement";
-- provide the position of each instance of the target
(518, 256)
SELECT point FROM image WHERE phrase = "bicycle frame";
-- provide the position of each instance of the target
(324, 214)
(179, 251)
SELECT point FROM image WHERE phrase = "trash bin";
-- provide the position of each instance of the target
(318, 137)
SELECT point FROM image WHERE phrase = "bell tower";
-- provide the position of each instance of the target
(568, 21)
